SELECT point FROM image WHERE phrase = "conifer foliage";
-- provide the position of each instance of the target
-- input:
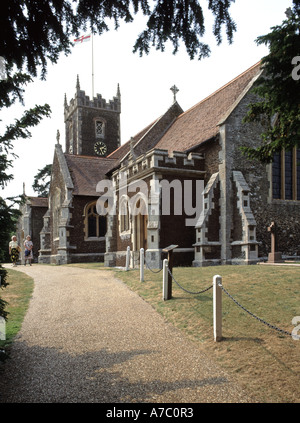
(278, 88)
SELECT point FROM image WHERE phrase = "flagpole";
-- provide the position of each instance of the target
(92, 66)
(81, 40)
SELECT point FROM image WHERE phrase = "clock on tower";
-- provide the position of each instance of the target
(100, 148)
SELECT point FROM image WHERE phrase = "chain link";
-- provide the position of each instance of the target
(256, 317)
(189, 292)
(233, 299)
(135, 260)
(153, 271)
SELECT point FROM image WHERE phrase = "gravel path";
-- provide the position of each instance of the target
(87, 338)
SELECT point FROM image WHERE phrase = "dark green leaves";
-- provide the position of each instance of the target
(42, 181)
(278, 107)
(181, 20)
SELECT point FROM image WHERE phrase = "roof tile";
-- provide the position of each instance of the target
(200, 123)
(86, 172)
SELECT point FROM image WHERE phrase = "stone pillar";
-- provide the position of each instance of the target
(203, 245)
(153, 253)
(274, 255)
(247, 243)
(225, 203)
(110, 255)
(45, 251)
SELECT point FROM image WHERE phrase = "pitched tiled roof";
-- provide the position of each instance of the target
(120, 152)
(86, 172)
(148, 138)
(191, 128)
(200, 123)
(38, 201)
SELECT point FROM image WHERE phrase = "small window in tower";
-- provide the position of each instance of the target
(100, 126)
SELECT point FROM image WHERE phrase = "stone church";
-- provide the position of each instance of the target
(180, 160)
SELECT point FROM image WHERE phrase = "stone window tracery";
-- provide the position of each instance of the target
(99, 128)
(124, 215)
(95, 225)
(286, 175)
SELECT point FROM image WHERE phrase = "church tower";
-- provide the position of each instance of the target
(92, 127)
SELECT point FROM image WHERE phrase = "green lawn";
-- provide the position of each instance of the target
(17, 294)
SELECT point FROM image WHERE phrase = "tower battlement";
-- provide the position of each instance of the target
(92, 126)
(98, 102)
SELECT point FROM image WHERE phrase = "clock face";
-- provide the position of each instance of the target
(100, 148)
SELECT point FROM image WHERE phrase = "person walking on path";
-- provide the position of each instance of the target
(28, 249)
(14, 250)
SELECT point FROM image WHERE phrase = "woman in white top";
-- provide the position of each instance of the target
(28, 249)
(14, 250)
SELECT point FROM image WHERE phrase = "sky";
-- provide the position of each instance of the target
(144, 82)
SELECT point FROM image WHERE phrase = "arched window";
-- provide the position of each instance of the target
(124, 215)
(95, 225)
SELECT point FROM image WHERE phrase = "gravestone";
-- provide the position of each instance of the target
(274, 256)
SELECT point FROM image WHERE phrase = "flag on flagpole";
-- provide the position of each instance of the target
(82, 39)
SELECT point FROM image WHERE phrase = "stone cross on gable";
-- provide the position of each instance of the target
(174, 90)
(288, 13)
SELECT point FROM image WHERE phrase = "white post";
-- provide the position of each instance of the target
(142, 264)
(132, 259)
(217, 307)
(127, 258)
(165, 279)
(2, 329)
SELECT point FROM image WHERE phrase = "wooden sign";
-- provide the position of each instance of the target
(169, 248)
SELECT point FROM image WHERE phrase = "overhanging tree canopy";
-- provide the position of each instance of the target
(42, 179)
(34, 31)
(278, 107)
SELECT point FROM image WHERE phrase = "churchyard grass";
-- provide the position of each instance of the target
(17, 294)
(264, 361)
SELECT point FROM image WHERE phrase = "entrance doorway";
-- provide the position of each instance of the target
(140, 225)
(141, 222)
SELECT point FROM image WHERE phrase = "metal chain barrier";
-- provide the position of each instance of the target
(135, 260)
(256, 317)
(189, 292)
(153, 271)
